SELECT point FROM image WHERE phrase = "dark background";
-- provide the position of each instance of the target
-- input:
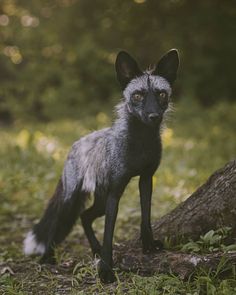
(57, 56)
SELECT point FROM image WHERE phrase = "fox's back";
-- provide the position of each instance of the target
(86, 164)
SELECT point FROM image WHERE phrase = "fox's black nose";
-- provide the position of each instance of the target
(153, 117)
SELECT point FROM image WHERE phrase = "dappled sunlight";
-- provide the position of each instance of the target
(167, 136)
(178, 193)
(189, 145)
(44, 144)
(23, 139)
(102, 119)
(154, 180)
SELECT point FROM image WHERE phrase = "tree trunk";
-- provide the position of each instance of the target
(211, 206)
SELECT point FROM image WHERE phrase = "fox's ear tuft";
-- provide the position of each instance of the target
(126, 68)
(168, 65)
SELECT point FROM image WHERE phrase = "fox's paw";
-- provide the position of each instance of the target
(106, 273)
(153, 247)
(48, 259)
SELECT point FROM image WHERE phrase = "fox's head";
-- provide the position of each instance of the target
(147, 93)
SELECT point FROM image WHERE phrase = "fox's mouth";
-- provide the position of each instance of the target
(153, 120)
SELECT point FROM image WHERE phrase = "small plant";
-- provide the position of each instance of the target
(212, 241)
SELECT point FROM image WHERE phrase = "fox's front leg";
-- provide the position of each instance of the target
(105, 270)
(106, 273)
(145, 188)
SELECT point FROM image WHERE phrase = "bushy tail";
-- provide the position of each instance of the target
(56, 223)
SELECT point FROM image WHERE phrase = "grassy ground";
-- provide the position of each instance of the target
(196, 142)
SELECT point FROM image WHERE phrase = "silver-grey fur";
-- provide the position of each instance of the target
(95, 157)
(139, 83)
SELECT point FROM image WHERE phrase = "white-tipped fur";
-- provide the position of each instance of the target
(31, 246)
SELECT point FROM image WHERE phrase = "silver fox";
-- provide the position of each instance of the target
(103, 162)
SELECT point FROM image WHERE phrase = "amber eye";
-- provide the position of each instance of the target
(163, 95)
(137, 97)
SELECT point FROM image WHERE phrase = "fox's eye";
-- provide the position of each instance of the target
(137, 97)
(163, 95)
(163, 99)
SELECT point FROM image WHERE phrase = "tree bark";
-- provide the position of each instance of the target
(211, 206)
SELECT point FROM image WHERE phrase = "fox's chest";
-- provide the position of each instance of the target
(143, 157)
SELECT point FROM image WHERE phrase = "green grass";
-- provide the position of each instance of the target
(196, 142)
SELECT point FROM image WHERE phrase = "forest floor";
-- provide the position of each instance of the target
(196, 142)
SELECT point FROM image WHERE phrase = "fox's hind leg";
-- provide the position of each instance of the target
(87, 218)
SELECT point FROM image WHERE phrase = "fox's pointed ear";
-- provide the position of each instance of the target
(168, 65)
(126, 68)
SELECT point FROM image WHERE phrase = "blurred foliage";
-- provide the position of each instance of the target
(57, 56)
